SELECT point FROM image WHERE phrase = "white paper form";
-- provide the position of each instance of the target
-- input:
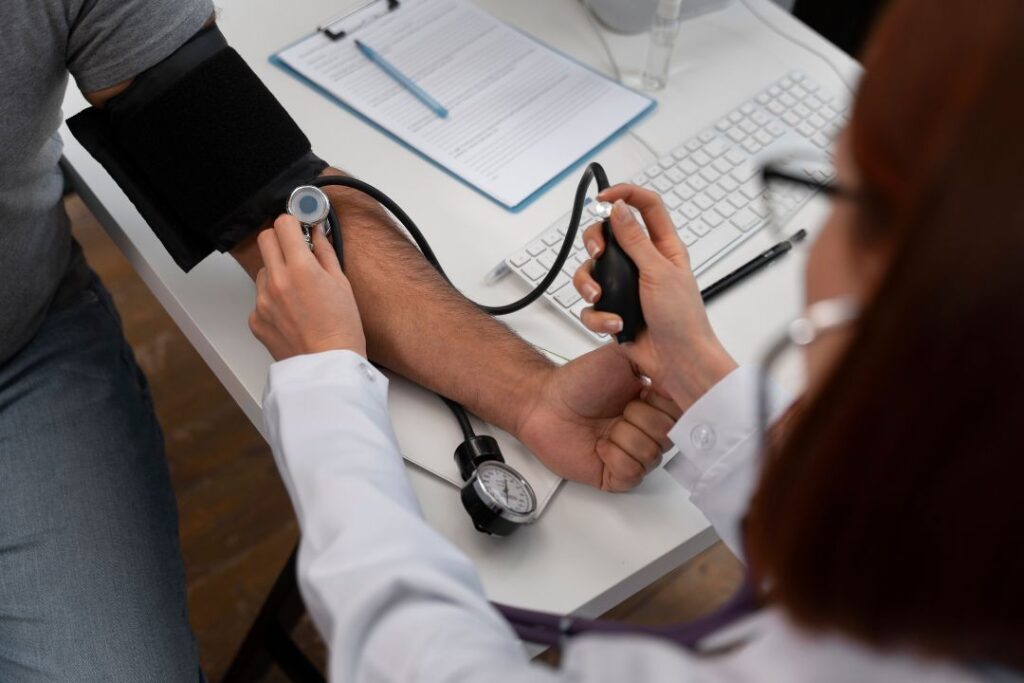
(519, 113)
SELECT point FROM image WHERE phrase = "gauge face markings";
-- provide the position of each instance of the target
(506, 489)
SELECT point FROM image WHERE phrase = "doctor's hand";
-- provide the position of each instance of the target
(678, 350)
(304, 303)
(592, 421)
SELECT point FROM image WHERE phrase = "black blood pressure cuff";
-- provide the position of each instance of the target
(201, 147)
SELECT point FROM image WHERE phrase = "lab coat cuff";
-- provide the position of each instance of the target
(340, 368)
(725, 418)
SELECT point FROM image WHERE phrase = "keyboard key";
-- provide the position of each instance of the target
(775, 128)
(534, 271)
(675, 175)
(760, 118)
(639, 178)
(712, 219)
(710, 174)
(687, 236)
(746, 220)
(727, 183)
(722, 165)
(816, 121)
(806, 129)
(687, 166)
(821, 140)
(736, 134)
(723, 125)
(536, 248)
(735, 157)
(828, 112)
(689, 210)
(735, 117)
(759, 207)
(797, 76)
(787, 100)
(764, 98)
(547, 259)
(707, 136)
(678, 219)
(752, 145)
(567, 296)
(680, 153)
(744, 172)
(672, 200)
(703, 201)
(791, 118)
(663, 184)
(715, 192)
(520, 258)
(697, 183)
(559, 282)
(763, 137)
(700, 158)
(751, 188)
(798, 92)
(693, 145)
(801, 111)
(699, 227)
(738, 200)
(786, 83)
(725, 209)
(748, 126)
(775, 91)
(813, 103)
(776, 108)
(715, 147)
(653, 171)
(684, 191)
(667, 162)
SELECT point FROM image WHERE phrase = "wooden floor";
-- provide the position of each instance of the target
(236, 523)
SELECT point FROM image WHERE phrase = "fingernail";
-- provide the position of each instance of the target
(590, 292)
(593, 249)
(614, 326)
(620, 212)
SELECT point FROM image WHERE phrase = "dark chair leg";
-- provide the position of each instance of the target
(269, 639)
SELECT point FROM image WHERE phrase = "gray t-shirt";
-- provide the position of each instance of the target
(101, 43)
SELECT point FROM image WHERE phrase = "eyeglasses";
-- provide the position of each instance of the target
(788, 183)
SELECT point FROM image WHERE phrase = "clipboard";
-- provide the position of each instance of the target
(511, 179)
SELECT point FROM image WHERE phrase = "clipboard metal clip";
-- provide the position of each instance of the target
(343, 25)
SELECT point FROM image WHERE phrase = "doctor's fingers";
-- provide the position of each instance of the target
(324, 252)
(293, 242)
(584, 282)
(654, 397)
(636, 445)
(656, 218)
(652, 422)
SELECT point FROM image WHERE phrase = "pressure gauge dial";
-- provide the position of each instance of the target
(498, 498)
(311, 207)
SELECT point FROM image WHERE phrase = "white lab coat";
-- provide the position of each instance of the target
(395, 601)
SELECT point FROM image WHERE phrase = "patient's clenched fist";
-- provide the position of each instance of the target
(304, 303)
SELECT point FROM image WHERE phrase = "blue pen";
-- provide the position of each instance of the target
(402, 79)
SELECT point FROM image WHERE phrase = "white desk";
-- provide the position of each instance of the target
(591, 550)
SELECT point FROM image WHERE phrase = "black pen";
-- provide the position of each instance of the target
(752, 266)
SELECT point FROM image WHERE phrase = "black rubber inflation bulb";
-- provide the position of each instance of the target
(619, 279)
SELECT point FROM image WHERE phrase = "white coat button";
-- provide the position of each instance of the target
(368, 372)
(703, 437)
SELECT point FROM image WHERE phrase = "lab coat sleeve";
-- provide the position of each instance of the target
(719, 444)
(393, 599)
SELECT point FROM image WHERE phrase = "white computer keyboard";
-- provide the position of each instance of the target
(709, 183)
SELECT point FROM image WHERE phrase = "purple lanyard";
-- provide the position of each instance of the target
(549, 629)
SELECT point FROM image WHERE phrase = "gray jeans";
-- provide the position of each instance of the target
(92, 586)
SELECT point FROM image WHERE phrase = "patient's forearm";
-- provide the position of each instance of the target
(420, 327)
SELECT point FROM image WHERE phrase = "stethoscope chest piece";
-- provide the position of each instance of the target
(311, 207)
